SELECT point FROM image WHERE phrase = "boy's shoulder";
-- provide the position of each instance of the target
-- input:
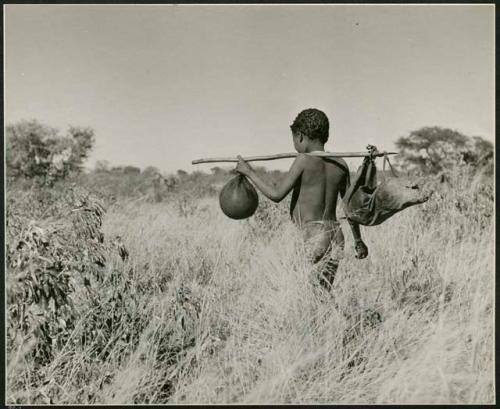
(308, 161)
(311, 161)
(339, 163)
(304, 160)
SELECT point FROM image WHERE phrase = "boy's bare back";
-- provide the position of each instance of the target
(315, 193)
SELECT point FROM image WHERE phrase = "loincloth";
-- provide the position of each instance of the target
(323, 238)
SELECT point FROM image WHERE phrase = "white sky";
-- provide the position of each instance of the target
(163, 85)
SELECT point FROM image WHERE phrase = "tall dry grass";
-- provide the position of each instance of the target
(211, 310)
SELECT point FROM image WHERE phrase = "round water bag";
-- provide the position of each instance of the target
(238, 198)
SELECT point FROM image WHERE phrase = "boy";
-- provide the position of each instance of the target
(316, 184)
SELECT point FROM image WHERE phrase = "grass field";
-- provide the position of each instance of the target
(210, 310)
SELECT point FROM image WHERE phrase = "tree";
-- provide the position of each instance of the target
(131, 170)
(150, 171)
(82, 143)
(102, 166)
(481, 155)
(217, 170)
(480, 150)
(434, 149)
(170, 182)
(27, 154)
(37, 151)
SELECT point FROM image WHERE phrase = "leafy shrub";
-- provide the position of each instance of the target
(47, 258)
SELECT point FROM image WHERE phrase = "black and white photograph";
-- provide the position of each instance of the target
(238, 204)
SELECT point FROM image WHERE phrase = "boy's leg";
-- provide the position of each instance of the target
(330, 263)
(324, 248)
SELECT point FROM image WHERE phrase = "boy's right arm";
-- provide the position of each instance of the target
(359, 245)
(275, 193)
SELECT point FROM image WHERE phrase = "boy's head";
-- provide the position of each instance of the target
(312, 124)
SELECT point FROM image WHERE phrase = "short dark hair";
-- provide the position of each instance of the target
(313, 123)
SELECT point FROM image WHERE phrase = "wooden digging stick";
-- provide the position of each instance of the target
(293, 155)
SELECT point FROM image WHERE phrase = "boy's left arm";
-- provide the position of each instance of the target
(359, 244)
(275, 193)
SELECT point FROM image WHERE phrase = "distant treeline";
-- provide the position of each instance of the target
(130, 181)
(39, 155)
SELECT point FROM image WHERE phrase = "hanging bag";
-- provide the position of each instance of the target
(238, 198)
(370, 203)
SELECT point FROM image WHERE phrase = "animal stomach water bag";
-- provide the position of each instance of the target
(238, 198)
